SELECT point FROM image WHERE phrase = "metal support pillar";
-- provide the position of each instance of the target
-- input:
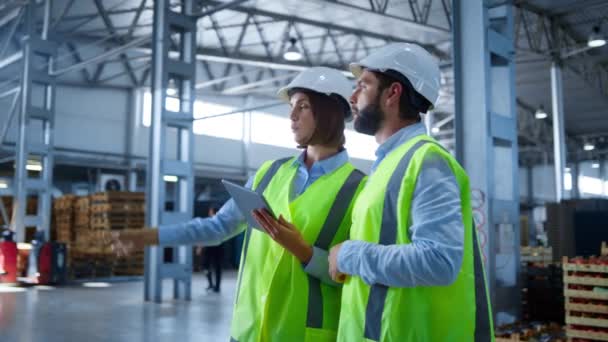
(602, 162)
(530, 185)
(559, 133)
(38, 63)
(428, 122)
(247, 117)
(134, 109)
(181, 72)
(486, 141)
(575, 176)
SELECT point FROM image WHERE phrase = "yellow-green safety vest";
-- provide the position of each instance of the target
(458, 312)
(276, 300)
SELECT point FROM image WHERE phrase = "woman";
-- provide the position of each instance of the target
(284, 292)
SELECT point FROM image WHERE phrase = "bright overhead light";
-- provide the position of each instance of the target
(292, 53)
(595, 165)
(595, 38)
(435, 130)
(567, 169)
(170, 178)
(588, 146)
(3, 185)
(33, 165)
(171, 88)
(540, 113)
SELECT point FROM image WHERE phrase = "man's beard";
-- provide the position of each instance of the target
(369, 119)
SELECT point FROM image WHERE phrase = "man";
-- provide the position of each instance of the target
(412, 263)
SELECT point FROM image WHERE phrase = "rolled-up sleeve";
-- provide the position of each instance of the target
(208, 231)
(434, 256)
(318, 266)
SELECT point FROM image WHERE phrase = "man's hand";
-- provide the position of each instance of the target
(334, 273)
(285, 233)
(125, 242)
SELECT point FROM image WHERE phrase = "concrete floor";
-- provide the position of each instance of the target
(115, 313)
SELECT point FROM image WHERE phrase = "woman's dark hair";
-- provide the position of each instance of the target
(328, 112)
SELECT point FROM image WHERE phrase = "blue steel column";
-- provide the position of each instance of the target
(38, 59)
(182, 71)
(486, 141)
(559, 134)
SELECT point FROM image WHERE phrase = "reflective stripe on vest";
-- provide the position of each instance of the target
(272, 170)
(331, 225)
(388, 236)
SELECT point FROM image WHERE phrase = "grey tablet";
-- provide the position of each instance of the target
(247, 201)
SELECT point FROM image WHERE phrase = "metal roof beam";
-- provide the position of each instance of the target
(337, 27)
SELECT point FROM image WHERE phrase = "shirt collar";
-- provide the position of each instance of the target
(400, 137)
(327, 165)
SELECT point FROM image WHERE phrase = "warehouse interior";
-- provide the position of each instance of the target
(148, 104)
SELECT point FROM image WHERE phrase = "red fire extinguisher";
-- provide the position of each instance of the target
(8, 257)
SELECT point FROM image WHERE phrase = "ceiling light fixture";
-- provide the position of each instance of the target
(292, 53)
(540, 113)
(170, 178)
(171, 88)
(595, 38)
(588, 146)
(33, 165)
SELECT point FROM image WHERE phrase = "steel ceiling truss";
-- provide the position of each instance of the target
(539, 34)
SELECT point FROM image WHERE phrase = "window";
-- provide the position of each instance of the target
(272, 130)
(590, 185)
(266, 128)
(228, 126)
(567, 181)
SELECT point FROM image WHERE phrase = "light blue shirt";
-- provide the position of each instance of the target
(226, 223)
(434, 256)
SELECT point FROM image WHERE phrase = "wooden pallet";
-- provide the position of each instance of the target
(589, 335)
(117, 196)
(119, 207)
(512, 338)
(543, 255)
(590, 279)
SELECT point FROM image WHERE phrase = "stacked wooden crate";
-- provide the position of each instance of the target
(63, 215)
(542, 293)
(586, 292)
(124, 211)
(536, 255)
(117, 210)
(89, 258)
(530, 332)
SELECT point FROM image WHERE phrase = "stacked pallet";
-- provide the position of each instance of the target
(107, 212)
(536, 255)
(90, 263)
(63, 215)
(530, 332)
(586, 292)
(117, 210)
(542, 293)
(133, 264)
(92, 219)
(82, 213)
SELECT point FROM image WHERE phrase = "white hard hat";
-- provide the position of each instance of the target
(322, 80)
(409, 60)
